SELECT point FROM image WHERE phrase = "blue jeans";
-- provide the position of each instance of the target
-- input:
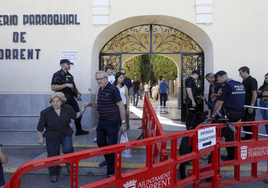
(53, 149)
(137, 97)
(264, 113)
(107, 134)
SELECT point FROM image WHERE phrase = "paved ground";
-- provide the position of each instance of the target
(21, 147)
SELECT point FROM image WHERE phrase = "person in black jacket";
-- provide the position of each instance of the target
(56, 121)
(63, 81)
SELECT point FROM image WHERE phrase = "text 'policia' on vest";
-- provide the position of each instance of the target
(237, 98)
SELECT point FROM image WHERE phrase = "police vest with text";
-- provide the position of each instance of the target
(237, 97)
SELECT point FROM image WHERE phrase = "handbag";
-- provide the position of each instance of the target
(124, 139)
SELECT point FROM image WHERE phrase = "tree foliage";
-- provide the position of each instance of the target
(149, 68)
(164, 68)
(133, 67)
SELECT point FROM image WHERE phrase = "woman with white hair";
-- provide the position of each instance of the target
(56, 121)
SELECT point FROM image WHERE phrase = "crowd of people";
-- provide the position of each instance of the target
(228, 97)
(112, 103)
(113, 98)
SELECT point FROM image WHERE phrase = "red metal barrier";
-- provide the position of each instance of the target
(246, 152)
(152, 128)
(162, 174)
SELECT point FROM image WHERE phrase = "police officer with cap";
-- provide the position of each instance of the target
(230, 97)
(63, 81)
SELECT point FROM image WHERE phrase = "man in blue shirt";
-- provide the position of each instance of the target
(163, 90)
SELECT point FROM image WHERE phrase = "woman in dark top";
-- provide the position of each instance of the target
(56, 120)
(263, 94)
(3, 160)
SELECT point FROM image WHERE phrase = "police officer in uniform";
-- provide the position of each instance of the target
(231, 98)
(193, 108)
(191, 101)
(63, 81)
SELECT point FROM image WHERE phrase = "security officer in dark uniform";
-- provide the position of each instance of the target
(63, 81)
(231, 98)
(192, 101)
(194, 107)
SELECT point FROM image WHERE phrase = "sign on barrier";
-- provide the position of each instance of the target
(253, 152)
(206, 137)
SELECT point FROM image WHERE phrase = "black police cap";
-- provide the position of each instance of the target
(65, 61)
(196, 72)
(220, 73)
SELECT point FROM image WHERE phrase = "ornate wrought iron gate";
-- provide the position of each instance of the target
(155, 39)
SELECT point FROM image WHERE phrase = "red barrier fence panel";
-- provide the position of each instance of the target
(162, 174)
(151, 128)
(247, 152)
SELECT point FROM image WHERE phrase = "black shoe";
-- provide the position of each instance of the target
(225, 158)
(103, 163)
(68, 167)
(140, 128)
(54, 179)
(245, 138)
(82, 132)
(265, 181)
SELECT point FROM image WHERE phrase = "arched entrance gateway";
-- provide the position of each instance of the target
(156, 39)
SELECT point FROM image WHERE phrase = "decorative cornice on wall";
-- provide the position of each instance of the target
(100, 10)
(204, 11)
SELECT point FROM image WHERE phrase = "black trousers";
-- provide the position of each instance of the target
(228, 133)
(248, 117)
(107, 134)
(71, 101)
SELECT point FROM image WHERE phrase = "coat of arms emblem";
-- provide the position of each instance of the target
(130, 184)
(244, 152)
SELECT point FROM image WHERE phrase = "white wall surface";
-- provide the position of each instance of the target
(237, 37)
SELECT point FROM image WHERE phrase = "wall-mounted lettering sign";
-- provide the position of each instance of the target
(35, 20)
(50, 19)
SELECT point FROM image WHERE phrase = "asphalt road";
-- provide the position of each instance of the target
(42, 181)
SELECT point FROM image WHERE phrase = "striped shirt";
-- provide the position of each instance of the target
(107, 103)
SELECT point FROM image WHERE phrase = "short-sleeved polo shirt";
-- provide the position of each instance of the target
(163, 87)
(107, 103)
